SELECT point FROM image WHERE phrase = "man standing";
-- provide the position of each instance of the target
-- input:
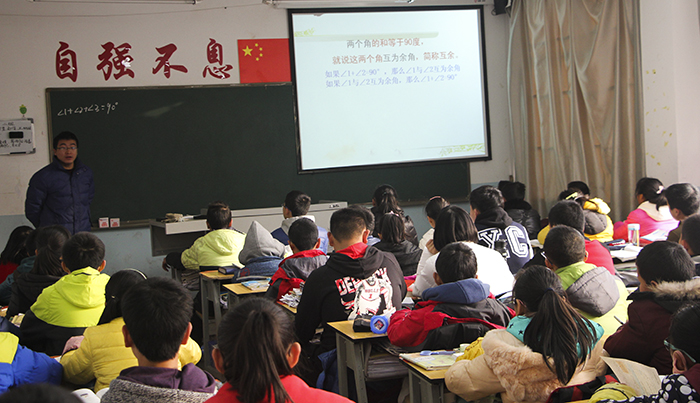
(61, 192)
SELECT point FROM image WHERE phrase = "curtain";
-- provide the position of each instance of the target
(575, 99)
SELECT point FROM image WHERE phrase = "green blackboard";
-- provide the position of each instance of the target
(155, 150)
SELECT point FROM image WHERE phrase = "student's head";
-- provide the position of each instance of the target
(348, 224)
(433, 208)
(386, 199)
(485, 198)
(391, 228)
(49, 244)
(568, 213)
(303, 235)
(564, 246)
(683, 337)
(65, 148)
(38, 393)
(156, 315)
(15, 249)
(455, 262)
(651, 190)
(256, 347)
(118, 285)
(683, 200)
(579, 186)
(556, 328)
(83, 250)
(690, 234)
(30, 243)
(664, 261)
(454, 225)
(297, 203)
(218, 215)
(513, 191)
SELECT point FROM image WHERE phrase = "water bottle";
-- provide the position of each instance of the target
(500, 247)
(633, 234)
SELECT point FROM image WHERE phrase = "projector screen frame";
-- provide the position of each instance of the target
(404, 8)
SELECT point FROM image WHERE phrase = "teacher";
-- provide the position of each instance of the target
(61, 192)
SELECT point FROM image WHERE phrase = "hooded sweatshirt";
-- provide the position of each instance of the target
(495, 224)
(293, 271)
(450, 314)
(20, 365)
(649, 219)
(26, 289)
(261, 253)
(155, 385)
(357, 280)
(217, 248)
(282, 233)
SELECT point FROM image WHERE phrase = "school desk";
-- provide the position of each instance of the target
(237, 291)
(210, 288)
(425, 386)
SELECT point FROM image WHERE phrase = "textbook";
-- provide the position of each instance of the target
(229, 269)
(436, 360)
(256, 285)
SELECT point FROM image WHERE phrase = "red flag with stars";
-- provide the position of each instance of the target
(264, 60)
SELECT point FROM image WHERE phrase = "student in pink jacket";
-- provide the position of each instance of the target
(653, 212)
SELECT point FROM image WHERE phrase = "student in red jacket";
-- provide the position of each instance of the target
(665, 271)
(459, 310)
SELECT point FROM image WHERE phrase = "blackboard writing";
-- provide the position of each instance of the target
(108, 107)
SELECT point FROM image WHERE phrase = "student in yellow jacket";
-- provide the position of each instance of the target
(74, 302)
(100, 353)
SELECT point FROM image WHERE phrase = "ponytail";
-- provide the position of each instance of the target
(387, 200)
(49, 245)
(653, 191)
(392, 228)
(254, 341)
(556, 330)
(116, 287)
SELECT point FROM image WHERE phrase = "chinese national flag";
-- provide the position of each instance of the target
(264, 60)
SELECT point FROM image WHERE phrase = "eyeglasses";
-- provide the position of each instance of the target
(64, 148)
(670, 347)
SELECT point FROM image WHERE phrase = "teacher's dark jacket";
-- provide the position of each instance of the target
(59, 196)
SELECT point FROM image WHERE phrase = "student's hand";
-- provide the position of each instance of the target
(73, 344)
(431, 248)
(166, 266)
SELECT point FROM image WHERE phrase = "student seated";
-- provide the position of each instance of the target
(664, 270)
(156, 316)
(690, 239)
(393, 240)
(597, 226)
(20, 365)
(683, 347)
(683, 201)
(296, 205)
(14, 251)
(74, 302)
(548, 345)
(455, 225)
(257, 353)
(518, 209)
(593, 291)
(261, 253)
(570, 213)
(47, 269)
(653, 212)
(219, 247)
(493, 224)
(24, 267)
(458, 310)
(385, 200)
(307, 257)
(432, 210)
(100, 353)
(357, 280)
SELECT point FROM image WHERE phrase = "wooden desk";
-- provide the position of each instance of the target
(425, 386)
(289, 308)
(240, 290)
(352, 347)
(210, 288)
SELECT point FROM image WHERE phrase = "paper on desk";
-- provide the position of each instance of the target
(658, 235)
(626, 254)
(643, 379)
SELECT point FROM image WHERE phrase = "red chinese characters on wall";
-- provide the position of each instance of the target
(215, 56)
(164, 61)
(115, 59)
(66, 62)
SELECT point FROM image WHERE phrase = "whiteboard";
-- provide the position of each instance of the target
(17, 136)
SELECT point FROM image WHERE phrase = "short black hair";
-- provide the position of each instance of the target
(685, 326)
(349, 222)
(452, 225)
(297, 203)
(664, 261)
(218, 215)
(683, 196)
(569, 213)
(485, 198)
(65, 136)
(690, 232)
(513, 191)
(392, 228)
(156, 313)
(564, 246)
(580, 186)
(83, 250)
(303, 233)
(455, 262)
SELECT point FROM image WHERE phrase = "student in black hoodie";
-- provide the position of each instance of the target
(357, 279)
(391, 233)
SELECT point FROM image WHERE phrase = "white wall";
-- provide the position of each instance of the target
(670, 33)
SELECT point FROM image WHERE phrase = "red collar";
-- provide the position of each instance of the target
(355, 251)
(304, 253)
